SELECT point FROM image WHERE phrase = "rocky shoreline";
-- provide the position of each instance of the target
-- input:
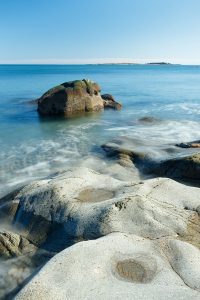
(132, 237)
(129, 230)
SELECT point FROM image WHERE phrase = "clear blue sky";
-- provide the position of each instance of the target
(56, 31)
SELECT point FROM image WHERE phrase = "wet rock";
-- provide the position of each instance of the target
(127, 152)
(182, 167)
(118, 266)
(194, 144)
(187, 167)
(109, 102)
(71, 98)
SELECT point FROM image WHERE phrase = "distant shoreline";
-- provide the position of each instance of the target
(101, 64)
(95, 64)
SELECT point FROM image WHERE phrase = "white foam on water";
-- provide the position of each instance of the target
(35, 159)
(188, 108)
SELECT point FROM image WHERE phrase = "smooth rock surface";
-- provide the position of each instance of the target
(117, 266)
(81, 204)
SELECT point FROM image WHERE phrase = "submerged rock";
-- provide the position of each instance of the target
(149, 120)
(119, 266)
(185, 167)
(128, 152)
(73, 97)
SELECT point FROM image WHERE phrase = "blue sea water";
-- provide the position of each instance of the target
(32, 147)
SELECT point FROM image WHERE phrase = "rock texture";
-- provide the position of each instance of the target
(119, 266)
(80, 205)
(12, 244)
(74, 97)
(71, 98)
(150, 227)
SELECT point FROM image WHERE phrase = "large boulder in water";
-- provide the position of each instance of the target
(74, 97)
(71, 98)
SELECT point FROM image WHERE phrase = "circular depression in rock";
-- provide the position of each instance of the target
(95, 195)
(136, 271)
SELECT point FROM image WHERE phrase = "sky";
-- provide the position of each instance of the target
(98, 31)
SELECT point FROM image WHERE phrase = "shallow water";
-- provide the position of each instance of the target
(34, 147)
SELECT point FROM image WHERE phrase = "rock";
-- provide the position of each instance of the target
(80, 205)
(118, 266)
(71, 98)
(121, 151)
(49, 209)
(13, 244)
(183, 167)
(185, 260)
(194, 144)
(109, 102)
(127, 151)
(187, 167)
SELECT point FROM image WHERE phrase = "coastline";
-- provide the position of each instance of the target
(77, 209)
(109, 196)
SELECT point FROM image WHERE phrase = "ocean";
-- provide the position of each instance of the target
(32, 147)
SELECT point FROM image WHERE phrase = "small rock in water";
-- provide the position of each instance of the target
(109, 102)
(194, 144)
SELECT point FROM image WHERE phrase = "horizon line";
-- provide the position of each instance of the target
(100, 61)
